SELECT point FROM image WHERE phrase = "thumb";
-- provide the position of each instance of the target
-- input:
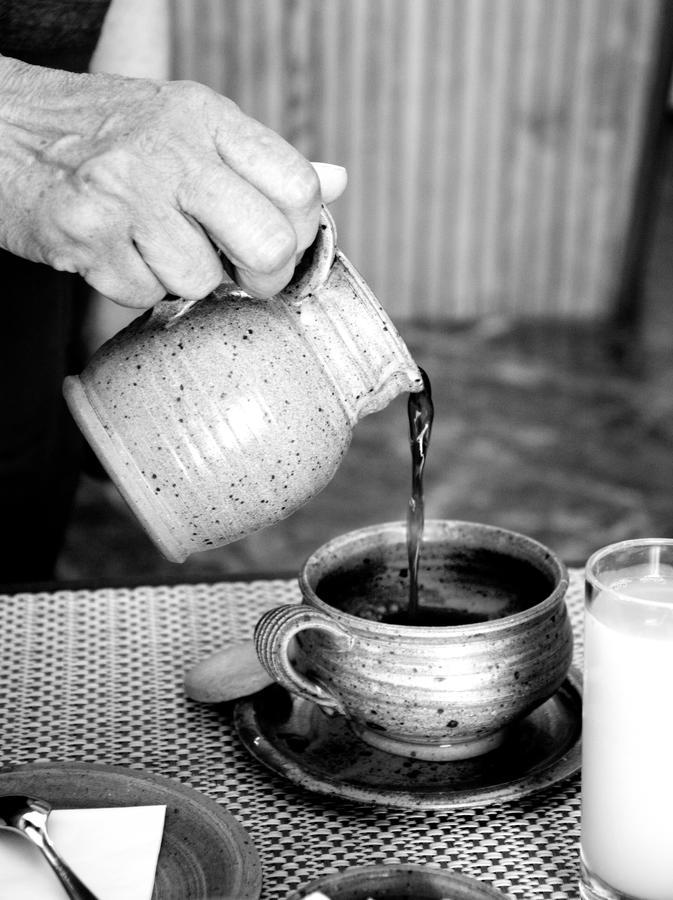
(333, 180)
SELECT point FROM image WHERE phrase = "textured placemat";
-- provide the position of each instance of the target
(97, 676)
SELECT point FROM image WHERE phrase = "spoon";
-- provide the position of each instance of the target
(227, 675)
(28, 816)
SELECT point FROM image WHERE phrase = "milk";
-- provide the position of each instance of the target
(627, 755)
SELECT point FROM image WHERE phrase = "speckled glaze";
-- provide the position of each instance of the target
(433, 691)
(218, 417)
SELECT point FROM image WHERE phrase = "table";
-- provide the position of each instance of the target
(96, 676)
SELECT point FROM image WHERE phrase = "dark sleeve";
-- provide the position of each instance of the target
(60, 34)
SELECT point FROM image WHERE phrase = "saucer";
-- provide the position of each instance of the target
(205, 851)
(397, 882)
(295, 738)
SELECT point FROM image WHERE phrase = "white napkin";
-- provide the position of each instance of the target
(114, 851)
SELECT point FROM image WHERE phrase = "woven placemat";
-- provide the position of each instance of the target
(97, 676)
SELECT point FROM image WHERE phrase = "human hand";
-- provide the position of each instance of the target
(136, 184)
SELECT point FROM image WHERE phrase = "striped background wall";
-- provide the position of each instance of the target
(492, 145)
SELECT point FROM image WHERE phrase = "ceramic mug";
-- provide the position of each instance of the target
(492, 642)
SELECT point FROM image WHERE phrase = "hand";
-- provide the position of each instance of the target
(136, 183)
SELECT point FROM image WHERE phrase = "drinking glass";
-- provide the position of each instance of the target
(627, 742)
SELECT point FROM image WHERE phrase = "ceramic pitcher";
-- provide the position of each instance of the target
(218, 417)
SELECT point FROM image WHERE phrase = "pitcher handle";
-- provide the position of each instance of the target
(314, 267)
(273, 634)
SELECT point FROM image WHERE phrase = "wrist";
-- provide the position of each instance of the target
(25, 90)
(25, 130)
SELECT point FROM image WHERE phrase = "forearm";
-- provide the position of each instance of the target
(29, 125)
(135, 39)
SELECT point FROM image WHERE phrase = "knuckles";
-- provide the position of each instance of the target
(61, 259)
(108, 170)
(190, 98)
(79, 219)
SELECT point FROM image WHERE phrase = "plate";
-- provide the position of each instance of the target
(296, 739)
(205, 852)
(396, 882)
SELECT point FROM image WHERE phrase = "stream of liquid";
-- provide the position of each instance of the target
(421, 413)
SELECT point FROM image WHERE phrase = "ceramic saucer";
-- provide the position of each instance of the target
(396, 882)
(205, 852)
(296, 739)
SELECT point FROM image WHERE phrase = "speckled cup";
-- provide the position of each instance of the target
(451, 690)
(218, 417)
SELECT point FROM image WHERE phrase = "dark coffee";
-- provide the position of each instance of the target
(460, 585)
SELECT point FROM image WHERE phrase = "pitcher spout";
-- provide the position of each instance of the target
(393, 382)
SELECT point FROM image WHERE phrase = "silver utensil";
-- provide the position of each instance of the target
(28, 816)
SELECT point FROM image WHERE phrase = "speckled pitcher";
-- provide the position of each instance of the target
(218, 417)
(494, 643)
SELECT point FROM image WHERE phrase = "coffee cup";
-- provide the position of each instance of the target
(491, 640)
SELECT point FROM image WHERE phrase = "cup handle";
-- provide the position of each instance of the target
(273, 634)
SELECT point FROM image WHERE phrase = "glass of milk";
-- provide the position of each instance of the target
(627, 742)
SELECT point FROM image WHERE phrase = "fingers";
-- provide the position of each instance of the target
(180, 255)
(253, 233)
(260, 228)
(256, 236)
(276, 170)
(124, 277)
(162, 253)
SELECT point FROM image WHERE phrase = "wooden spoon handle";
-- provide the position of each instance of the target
(227, 675)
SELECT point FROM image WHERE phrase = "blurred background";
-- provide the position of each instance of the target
(510, 203)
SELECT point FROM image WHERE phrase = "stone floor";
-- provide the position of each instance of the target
(538, 428)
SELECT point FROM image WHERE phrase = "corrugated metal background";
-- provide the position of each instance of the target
(493, 146)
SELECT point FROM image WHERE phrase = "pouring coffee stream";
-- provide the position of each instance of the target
(421, 414)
